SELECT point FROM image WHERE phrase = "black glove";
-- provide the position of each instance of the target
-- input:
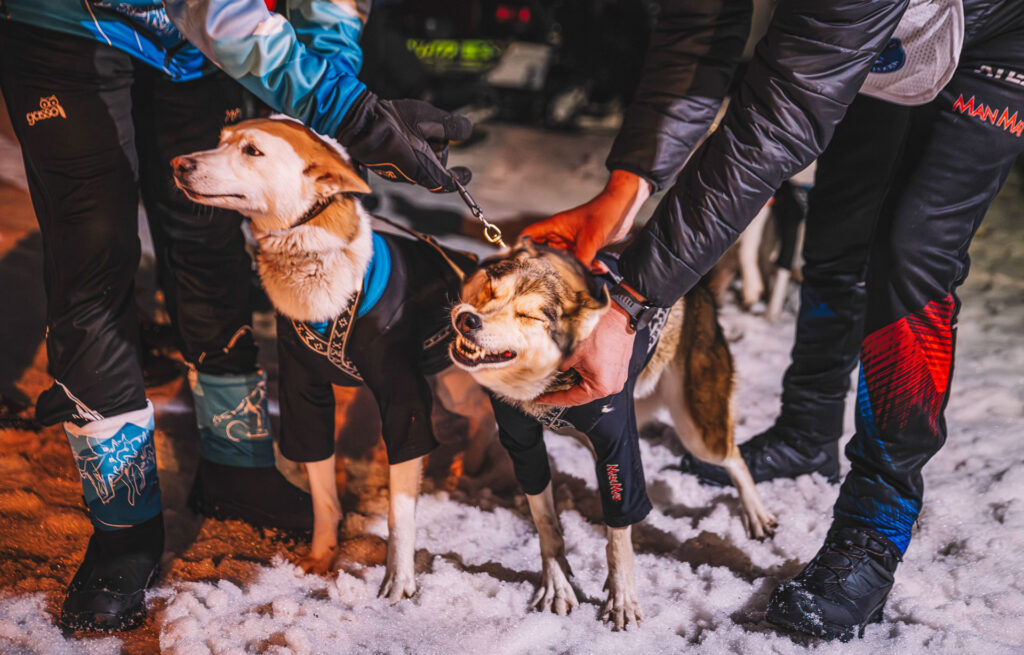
(405, 140)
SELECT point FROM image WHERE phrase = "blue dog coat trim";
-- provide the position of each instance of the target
(375, 281)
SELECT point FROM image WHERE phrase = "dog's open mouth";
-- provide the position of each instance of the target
(467, 353)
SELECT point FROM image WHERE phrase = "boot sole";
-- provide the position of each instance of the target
(823, 629)
(102, 622)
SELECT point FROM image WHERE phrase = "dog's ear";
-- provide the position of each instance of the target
(591, 309)
(332, 176)
(527, 245)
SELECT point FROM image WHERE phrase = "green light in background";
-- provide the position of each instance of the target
(449, 53)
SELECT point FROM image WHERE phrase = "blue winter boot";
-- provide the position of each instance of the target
(117, 463)
(236, 478)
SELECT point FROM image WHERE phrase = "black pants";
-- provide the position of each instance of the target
(853, 178)
(96, 129)
(899, 195)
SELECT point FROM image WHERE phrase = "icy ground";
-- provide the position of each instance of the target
(229, 589)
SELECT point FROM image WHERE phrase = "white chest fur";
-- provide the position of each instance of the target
(311, 272)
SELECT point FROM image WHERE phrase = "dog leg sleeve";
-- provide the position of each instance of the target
(117, 462)
(231, 412)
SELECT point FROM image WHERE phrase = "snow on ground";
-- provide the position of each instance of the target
(703, 585)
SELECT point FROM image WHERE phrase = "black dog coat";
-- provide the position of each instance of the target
(393, 345)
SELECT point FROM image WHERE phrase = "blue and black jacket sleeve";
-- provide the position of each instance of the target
(305, 66)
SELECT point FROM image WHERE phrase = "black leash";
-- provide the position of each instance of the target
(429, 240)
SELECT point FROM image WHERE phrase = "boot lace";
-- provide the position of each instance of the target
(851, 553)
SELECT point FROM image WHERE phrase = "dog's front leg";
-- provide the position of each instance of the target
(399, 575)
(622, 606)
(323, 486)
(555, 592)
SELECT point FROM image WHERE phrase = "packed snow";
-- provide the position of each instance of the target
(702, 584)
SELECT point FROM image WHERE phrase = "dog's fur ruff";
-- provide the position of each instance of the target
(538, 305)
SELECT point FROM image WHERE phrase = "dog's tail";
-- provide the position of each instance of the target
(708, 366)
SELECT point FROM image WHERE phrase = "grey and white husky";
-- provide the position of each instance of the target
(522, 314)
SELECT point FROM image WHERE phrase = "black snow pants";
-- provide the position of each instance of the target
(97, 128)
(850, 186)
(899, 194)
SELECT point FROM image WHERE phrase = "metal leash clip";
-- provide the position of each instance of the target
(491, 231)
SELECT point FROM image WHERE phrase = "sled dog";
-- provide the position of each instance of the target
(354, 307)
(521, 315)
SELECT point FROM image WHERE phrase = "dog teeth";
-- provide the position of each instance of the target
(470, 349)
(475, 353)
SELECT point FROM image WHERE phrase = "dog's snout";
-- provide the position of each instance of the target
(467, 322)
(183, 164)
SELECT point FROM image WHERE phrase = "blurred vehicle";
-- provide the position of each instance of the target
(538, 61)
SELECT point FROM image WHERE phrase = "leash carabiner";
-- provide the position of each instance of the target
(491, 231)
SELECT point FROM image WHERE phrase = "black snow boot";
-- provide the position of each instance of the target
(108, 593)
(259, 496)
(769, 455)
(842, 589)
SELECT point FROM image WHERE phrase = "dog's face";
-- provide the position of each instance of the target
(521, 315)
(272, 170)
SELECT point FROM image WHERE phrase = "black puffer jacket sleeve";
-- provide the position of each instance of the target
(804, 74)
(689, 66)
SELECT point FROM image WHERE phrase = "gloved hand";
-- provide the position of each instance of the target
(405, 140)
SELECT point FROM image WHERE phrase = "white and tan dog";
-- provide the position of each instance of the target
(315, 247)
(521, 315)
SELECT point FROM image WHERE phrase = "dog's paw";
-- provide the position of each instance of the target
(759, 523)
(753, 290)
(622, 607)
(399, 583)
(319, 563)
(555, 594)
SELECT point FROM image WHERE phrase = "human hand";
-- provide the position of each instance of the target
(405, 140)
(606, 219)
(602, 361)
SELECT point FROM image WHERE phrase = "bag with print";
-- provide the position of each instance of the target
(922, 54)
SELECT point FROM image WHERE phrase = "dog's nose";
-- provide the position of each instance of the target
(467, 322)
(183, 164)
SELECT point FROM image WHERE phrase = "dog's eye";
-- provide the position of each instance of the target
(251, 150)
(530, 317)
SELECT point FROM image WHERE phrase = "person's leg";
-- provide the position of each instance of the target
(959, 158)
(853, 179)
(206, 273)
(69, 101)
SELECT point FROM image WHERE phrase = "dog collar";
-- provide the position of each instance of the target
(640, 313)
(318, 208)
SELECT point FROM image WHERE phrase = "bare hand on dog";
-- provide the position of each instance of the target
(602, 361)
(607, 218)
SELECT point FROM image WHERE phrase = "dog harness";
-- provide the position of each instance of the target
(389, 343)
